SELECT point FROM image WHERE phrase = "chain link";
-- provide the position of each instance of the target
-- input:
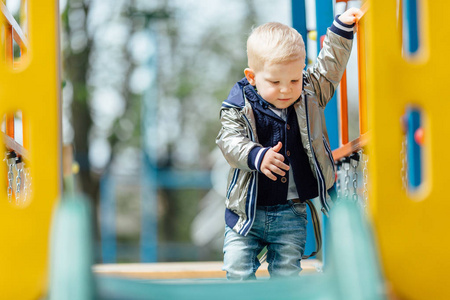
(10, 181)
(346, 167)
(355, 162)
(338, 181)
(19, 178)
(10, 161)
(365, 181)
(19, 168)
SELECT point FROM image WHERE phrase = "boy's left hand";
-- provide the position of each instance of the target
(351, 16)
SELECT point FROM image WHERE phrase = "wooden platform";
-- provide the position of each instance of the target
(184, 270)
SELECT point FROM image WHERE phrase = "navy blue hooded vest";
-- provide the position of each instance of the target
(271, 129)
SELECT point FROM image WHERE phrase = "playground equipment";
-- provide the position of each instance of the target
(408, 223)
(403, 59)
(30, 83)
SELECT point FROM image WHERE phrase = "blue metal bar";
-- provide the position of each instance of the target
(149, 216)
(149, 178)
(108, 219)
(414, 151)
(299, 19)
(324, 18)
(299, 23)
(410, 28)
(176, 179)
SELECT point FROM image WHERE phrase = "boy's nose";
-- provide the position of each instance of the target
(284, 89)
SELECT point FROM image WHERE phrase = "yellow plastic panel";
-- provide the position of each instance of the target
(33, 89)
(412, 229)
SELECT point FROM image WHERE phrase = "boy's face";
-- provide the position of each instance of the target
(279, 84)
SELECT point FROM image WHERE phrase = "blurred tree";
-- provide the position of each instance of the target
(85, 53)
(198, 70)
(76, 49)
(200, 56)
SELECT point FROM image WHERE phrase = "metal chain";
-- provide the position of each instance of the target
(27, 184)
(338, 181)
(19, 168)
(355, 162)
(365, 182)
(346, 166)
(10, 161)
(10, 181)
(23, 182)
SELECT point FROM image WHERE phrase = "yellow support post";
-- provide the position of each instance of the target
(411, 227)
(34, 89)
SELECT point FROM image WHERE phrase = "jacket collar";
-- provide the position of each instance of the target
(236, 96)
(252, 95)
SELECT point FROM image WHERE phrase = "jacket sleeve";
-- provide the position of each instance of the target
(324, 76)
(234, 140)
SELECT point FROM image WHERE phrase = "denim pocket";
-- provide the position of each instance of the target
(298, 209)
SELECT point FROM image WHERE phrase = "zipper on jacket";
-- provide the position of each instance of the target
(254, 193)
(233, 182)
(323, 199)
(249, 126)
(329, 152)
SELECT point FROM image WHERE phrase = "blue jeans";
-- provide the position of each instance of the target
(282, 228)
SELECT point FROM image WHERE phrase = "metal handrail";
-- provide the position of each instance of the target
(13, 32)
(12, 145)
(351, 147)
(17, 31)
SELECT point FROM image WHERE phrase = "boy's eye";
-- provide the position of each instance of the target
(295, 81)
(275, 82)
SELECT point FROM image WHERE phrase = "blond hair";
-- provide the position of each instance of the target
(274, 43)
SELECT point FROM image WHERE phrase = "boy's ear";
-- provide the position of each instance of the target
(250, 75)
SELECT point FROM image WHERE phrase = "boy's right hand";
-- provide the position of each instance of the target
(273, 163)
(351, 16)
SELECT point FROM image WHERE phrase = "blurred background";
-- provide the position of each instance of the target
(142, 86)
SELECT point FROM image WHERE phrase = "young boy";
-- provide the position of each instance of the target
(274, 138)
